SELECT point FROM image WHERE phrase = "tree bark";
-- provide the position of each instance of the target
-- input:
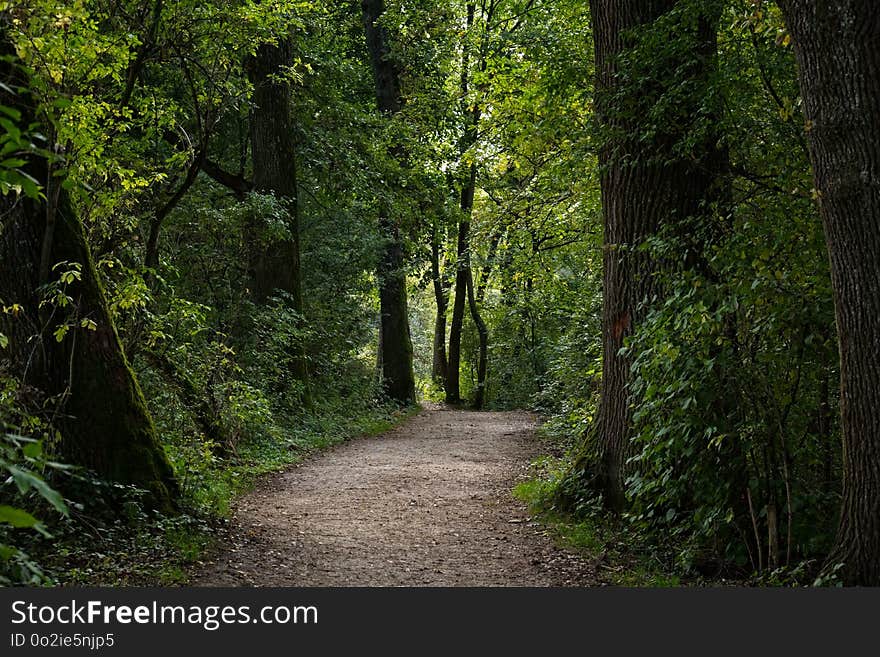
(838, 55)
(101, 412)
(462, 272)
(441, 299)
(479, 395)
(395, 352)
(276, 265)
(466, 205)
(644, 184)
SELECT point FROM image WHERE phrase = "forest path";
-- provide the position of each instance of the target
(426, 504)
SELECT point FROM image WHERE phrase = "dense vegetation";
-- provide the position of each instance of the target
(237, 230)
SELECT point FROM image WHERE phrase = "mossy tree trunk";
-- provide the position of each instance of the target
(100, 410)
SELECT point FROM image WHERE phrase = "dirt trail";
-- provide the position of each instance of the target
(427, 504)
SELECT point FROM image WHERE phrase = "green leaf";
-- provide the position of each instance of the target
(32, 450)
(17, 517)
(26, 480)
(11, 129)
(29, 186)
(13, 163)
(11, 112)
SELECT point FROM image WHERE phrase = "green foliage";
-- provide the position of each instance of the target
(16, 144)
(734, 367)
(31, 503)
(533, 225)
(621, 553)
(22, 465)
(735, 371)
(131, 97)
(734, 374)
(112, 541)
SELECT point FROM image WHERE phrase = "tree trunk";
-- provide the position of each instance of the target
(395, 353)
(644, 183)
(462, 272)
(441, 298)
(276, 265)
(839, 70)
(100, 412)
(475, 300)
(466, 204)
(479, 396)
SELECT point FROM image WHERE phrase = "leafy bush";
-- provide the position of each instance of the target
(22, 464)
(735, 385)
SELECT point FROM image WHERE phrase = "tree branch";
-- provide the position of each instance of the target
(237, 184)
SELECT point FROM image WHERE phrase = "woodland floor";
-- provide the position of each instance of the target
(427, 504)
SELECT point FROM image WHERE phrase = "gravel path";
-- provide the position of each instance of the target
(427, 504)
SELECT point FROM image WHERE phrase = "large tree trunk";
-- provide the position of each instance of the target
(644, 184)
(838, 55)
(276, 266)
(101, 412)
(395, 353)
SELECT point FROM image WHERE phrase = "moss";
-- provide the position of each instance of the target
(107, 428)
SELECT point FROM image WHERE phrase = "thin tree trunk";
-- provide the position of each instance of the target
(395, 352)
(838, 56)
(479, 395)
(475, 300)
(276, 266)
(151, 257)
(462, 272)
(466, 204)
(441, 298)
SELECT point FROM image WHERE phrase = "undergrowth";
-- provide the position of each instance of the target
(622, 550)
(620, 556)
